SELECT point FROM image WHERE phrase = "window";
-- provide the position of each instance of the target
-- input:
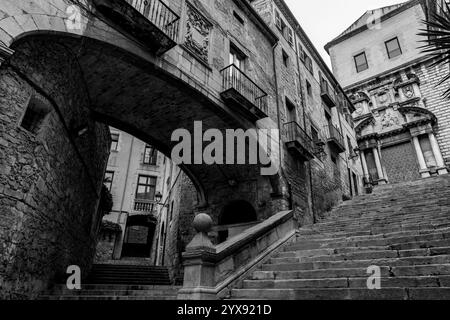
(278, 21)
(349, 145)
(171, 211)
(146, 188)
(393, 48)
(109, 178)
(301, 52)
(334, 159)
(289, 36)
(236, 57)
(35, 115)
(238, 17)
(314, 135)
(308, 64)
(115, 141)
(150, 155)
(285, 59)
(308, 88)
(361, 62)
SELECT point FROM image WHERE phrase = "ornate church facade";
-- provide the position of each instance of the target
(401, 115)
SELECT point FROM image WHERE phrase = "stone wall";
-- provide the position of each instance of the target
(434, 101)
(50, 181)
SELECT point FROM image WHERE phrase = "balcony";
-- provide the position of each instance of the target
(144, 206)
(151, 22)
(335, 139)
(327, 95)
(242, 94)
(299, 142)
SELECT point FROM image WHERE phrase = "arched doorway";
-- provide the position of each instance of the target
(235, 217)
(138, 237)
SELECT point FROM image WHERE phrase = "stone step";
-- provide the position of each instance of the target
(349, 254)
(391, 220)
(118, 287)
(367, 242)
(99, 298)
(332, 255)
(367, 236)
(390, 282)
(380, 259)
(149, 293)
(343, 294)
(386, 271)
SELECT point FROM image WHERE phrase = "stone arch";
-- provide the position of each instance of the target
(366, 122)
(427, 114)
(138, 236)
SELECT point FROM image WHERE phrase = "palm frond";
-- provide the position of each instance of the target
(436, 42)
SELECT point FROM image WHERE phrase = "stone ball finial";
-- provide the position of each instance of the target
(203, 223)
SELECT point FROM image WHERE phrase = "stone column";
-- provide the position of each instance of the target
(199, 264)
(437, 154)
(424, 171)
(381, 178)
(364, 164)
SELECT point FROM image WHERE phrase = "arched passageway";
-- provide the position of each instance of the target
(138, 239)
(235, 217)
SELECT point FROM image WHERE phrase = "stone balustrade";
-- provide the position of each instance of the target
(209, 271)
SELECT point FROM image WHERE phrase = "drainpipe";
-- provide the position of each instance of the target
(291, 206)
(345, 138)
(274, 47)
(302, 98)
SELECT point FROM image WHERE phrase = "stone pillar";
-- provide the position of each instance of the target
(381, 178)
(364, 164)
(441, 168)
(199, 264)
(424, 171)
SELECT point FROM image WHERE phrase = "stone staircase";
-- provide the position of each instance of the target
(404, 229)
(120, 282)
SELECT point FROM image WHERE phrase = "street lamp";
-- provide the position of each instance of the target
(158, 197)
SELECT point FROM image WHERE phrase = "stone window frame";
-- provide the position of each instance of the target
(112, 179)
(398, 50)
(152, 158)
(117, 148)
(363, 53)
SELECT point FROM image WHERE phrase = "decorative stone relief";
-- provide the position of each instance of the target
(198, 32)
(389, 119)
(408, 91)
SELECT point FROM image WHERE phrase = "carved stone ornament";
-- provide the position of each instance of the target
(408, 91)
(198, 31)
(389, 119)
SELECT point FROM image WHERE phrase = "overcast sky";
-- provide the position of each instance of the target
(323, 20)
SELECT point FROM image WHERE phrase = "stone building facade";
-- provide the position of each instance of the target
(401, 114)
(230, 64)
(135, 177)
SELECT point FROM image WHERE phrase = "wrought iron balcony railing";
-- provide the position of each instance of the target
(335, 138)
(299, 141)
(151, 22)
(158, 13)
(240, 89)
